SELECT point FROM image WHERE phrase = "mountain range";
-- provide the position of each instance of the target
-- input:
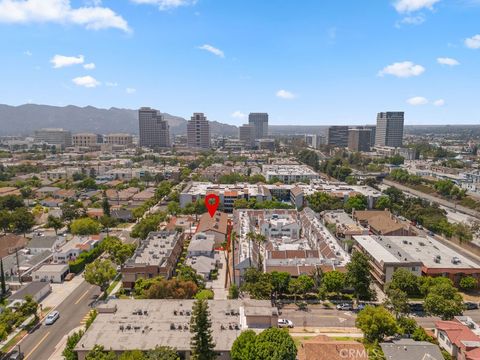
(25, 119)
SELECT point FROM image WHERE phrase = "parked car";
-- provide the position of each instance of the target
(52, 317)
(360, 307)
(345, 307)
(284, 323)
(416, 307)
(69, 276)
(470, 305)
(16, 355)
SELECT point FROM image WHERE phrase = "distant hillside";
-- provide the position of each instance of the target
(25, 119)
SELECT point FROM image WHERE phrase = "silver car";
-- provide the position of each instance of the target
(284, 323)
(52, 317)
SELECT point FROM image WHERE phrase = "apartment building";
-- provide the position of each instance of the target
(155, 256)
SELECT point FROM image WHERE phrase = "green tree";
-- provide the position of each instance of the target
(243, 347)
(5, 220)
(443, 300)
(108, 222)
(406, 325)
(162, 353)
(118, 251)
(202, 345)
(383, 202)
(404, 280)
(280, 282)
(11, 202)
(357, 202)
(333, 281)
(233, 292)
(98, 353)
(301, 285)
(468, 283)
(54, 222)
(398, 301)
(275, 344)
(106, 207)
(132, 355)
(100, 273)
(23, 220)
(358, 276)
(376, 323)
(205, 294)
(72, 341)
(321, 201)
(85, 226)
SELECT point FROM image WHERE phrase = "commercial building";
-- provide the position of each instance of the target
(119, 139)
(419, 255)
(51, 273)
(198, 132)
(389, 129)
(87, 140)
(373, 133)
(157, 255)
(123, 325)
(154, 129)
(259, 121)
(246, 133)
(337, 136)
(359, 139)
(58, 137)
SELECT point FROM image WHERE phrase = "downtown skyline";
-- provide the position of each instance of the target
(307, 63)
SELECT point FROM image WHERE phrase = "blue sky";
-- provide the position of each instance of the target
(309, 62)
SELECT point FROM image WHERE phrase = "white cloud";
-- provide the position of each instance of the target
(403, 69)
(28, 53)
(111, 84)
(408, 6)
(166, 4)
(284, 94)
(439, 102)
(60, 11)
(447, 61)
(60, 61)
(212, 49)
(86, 81)
(89, 66)
(412, 20)
(239, 115)
(417, 100)
(473, 42)
(130, 90)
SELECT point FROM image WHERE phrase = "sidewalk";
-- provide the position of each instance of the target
(57, 355)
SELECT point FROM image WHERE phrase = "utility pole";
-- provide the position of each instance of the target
(18, 267)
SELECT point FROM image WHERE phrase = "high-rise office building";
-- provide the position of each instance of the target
(246, 133)
(259, 121)
(373, 133)
(59, 137)
(337, 136)
(390, 129)
(198, 132)
(154, 129)
(359, 139)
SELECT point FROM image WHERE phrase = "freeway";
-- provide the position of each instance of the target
(41, 343)
(434, 199)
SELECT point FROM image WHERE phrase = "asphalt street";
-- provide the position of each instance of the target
(317, 316)
(41, 343)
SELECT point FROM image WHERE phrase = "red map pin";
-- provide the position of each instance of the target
(212, 206)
